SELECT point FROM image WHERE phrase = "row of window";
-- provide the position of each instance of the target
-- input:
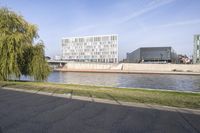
(197, 37)
(198, 53)
(95, 47)
(90, 39)
(89, 50)
(90, 43)
(198, 42)
(110, 60)
(90, 53)
(89, 56)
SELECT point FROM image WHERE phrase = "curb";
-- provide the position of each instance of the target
(129, 72)
(106, 101)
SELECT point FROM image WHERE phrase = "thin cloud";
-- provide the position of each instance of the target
(151, 6)
(182, 23)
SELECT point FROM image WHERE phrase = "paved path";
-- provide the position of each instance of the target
(127, 71)
(22, 112)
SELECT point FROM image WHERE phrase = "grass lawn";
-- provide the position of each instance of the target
(159, 97)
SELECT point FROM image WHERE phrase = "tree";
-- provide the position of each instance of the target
(18, 54)
(37, 70)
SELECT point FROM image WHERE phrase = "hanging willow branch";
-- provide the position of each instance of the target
(18, 55)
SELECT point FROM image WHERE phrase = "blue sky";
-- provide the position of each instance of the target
(138, 23)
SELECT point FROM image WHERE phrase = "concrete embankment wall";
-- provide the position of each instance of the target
(162, 67)
(131, 67)
(87, 66)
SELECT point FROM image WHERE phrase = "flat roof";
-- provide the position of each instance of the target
(89, 36)
(151, 48)
(156, 47)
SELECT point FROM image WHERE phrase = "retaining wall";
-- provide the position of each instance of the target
(87, 66)
(132, 67)
(162, 67)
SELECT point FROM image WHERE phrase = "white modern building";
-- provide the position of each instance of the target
(100, 48)
(196, 52)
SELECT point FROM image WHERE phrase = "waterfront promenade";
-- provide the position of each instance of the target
(176, 69)
(23, 112)
(127, 71)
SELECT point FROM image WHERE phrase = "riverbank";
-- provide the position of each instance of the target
(126, 72)
(130, 68)
(136, 95)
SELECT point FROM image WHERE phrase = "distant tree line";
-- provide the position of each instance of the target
(20, 52)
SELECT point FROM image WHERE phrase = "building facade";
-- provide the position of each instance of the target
(196, 52)
(101, 48)
(152, 55)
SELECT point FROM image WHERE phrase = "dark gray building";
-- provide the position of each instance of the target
(152, 55)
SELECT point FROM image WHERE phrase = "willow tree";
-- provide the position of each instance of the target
(18, 52)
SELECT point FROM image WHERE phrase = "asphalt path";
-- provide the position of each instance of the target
(22, 112)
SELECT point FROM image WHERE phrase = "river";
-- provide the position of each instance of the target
(153, 81)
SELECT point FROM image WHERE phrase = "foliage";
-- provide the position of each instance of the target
(38, 70)
(17, 52)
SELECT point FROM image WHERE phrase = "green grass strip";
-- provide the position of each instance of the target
(138, 95)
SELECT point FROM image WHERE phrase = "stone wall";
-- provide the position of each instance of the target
(162, 67)
(88, 66)
(133, 67)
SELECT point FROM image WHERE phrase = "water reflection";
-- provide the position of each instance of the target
(154, 81)
(84, 78)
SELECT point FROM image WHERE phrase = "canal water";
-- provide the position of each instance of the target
(153, 81)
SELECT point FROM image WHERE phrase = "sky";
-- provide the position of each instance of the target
(138, 23)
